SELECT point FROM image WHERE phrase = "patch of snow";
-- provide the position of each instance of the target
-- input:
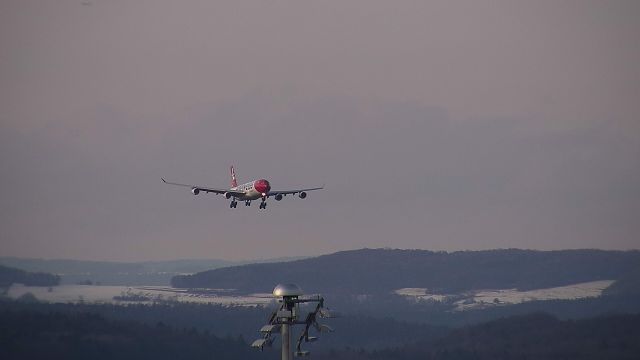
(411, 291)
(105, 294)
(421, 294)
(486, 298)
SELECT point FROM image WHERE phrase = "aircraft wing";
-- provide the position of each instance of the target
(206, 189)
(287, 192)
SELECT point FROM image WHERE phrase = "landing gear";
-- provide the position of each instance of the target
(233, 204)
(263, 204)
(247, 203)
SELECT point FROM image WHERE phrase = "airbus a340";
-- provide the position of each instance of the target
(247, 192)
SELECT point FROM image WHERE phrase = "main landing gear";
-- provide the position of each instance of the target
(234, 204)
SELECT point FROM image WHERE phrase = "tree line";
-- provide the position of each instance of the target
(36, 330)
(10, 276)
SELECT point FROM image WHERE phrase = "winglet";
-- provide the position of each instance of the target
(163, 180)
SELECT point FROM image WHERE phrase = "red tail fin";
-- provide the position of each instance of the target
(234, 182)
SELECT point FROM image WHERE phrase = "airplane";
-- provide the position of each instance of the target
(247, 192)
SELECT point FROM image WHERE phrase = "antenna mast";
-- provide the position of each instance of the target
(283, 319)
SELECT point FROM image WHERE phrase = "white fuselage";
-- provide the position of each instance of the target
(250, 191)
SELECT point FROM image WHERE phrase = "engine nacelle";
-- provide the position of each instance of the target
(195, 191)
(302, 195)
(228, 195)
(278, 197)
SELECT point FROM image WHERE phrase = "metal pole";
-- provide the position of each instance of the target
(286, 342)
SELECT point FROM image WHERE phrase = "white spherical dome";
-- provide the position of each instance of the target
(287, 290)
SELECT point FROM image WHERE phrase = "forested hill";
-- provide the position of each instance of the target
(53, 335)
(533, 336)
(370, 271)
(10, 276)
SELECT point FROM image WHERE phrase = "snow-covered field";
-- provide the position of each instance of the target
(106, 294)
(486, 298)
(149, 294)
(421, 294)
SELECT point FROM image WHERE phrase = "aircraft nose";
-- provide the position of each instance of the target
(262, 186)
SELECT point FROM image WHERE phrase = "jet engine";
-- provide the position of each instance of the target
(195, 191)
(302, 195)
(278, 197)
(228, 195)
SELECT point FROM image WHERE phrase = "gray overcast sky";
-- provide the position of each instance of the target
(441, 125)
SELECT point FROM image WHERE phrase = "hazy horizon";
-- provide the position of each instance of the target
(434, 125)
(293, 258)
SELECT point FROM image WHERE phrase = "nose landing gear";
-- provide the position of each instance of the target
(263, 205)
